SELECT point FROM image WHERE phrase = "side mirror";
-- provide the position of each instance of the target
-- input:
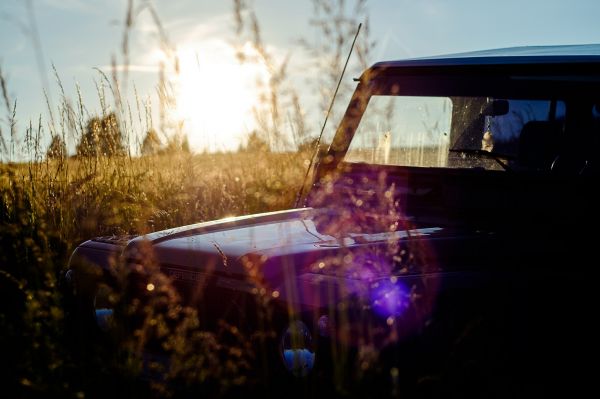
(495, 108)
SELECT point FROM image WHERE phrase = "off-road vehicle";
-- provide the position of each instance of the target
(446, 246)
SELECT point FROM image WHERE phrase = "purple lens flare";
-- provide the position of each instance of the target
(390, 297)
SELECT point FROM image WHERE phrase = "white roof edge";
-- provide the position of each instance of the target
(508, 55)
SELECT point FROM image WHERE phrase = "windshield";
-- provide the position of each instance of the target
(458, 132)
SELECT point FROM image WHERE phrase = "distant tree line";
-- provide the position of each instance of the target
(57, 148)
(103, 137)
(152, 144)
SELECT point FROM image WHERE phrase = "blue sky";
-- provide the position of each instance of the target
(78, 35)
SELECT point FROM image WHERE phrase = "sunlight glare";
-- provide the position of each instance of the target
(216, 95)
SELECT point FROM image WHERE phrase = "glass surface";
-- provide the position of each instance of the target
(453, 132)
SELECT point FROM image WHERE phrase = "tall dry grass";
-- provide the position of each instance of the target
(47, 208)
(49, 203)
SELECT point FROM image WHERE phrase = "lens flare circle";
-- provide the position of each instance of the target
(390, 299)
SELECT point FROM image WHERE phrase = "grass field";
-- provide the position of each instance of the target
(50, 204)
(80, 198)
(48, 208)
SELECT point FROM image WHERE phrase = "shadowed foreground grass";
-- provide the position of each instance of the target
(48, 208)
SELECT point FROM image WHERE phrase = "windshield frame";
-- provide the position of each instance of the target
(564, 82)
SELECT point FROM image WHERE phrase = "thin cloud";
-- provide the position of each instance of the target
(185, 29)
(130, 68)
(78, 5)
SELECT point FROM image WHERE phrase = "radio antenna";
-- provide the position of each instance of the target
(318, 144)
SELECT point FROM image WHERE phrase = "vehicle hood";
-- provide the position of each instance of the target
(299, 237)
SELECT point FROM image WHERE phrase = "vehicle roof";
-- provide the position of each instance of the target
(582, 53)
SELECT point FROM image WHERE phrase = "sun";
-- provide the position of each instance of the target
(215, 95)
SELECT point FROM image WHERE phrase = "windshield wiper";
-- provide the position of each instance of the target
(485, 154)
